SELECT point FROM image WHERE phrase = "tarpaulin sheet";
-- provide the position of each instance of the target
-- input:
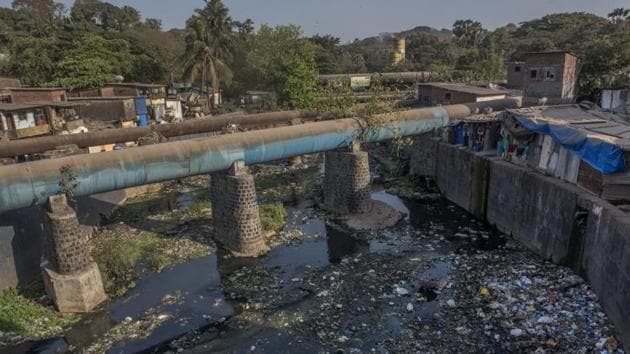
(604, 156)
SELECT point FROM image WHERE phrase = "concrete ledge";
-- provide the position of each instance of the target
(78, 292)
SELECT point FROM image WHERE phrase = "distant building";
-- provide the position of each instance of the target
(135, 90)
(551, 75)
(400, 51)
(5, 84)
(440, 93)
(155, 95)
(19, 121)
(23, 95)
(515, 72)
(107, 109)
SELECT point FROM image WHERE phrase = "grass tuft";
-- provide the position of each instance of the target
(26, 317)
(273, 216)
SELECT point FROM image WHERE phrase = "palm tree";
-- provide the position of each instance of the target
(619, 15)
(209, 45)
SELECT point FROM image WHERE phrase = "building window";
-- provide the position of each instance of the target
(550, 75)
(517, 69)
(533, 74)
(448, 96)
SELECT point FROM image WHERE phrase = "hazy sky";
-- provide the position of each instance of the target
(351, 19)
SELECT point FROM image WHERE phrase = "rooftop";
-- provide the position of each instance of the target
(135, 84)
(551, 52)
(37, 104)
(36, 88)
(596, 123)
(475, 90)
(101, 98)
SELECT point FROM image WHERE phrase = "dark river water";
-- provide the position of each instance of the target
(200, 303)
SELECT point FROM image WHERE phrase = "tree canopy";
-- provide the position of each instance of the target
(95, 40)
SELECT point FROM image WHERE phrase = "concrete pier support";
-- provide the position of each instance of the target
(235, 213)
(71, 279)
(347, 181)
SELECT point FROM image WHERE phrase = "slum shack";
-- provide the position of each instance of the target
(477, 133)
(154, 96)
(579, 144)
(38, 118)
(115, 110)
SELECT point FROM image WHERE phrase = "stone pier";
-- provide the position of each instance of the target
(235, 212)
(71, 279)
(347, 181)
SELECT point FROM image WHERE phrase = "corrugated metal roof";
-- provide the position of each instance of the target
(592, 121)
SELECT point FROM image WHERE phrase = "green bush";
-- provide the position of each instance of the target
(118, 256)
(273, 216)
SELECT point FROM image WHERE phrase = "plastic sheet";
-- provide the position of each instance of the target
(604, 156)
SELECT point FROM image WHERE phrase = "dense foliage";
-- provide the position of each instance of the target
(469, 52)
(94, 41)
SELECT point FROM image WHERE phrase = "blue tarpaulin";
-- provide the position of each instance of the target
(604, 156)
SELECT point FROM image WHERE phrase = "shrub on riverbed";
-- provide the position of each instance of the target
(273, 216)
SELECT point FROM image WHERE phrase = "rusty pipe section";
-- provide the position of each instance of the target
(28, 184)
(122, 135)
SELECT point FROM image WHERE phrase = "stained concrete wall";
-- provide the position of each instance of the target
(537, 210)
(462, 177)
(423, 155)
(606, 260)
(542, 212)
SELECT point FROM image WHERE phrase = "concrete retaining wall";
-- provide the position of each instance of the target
(462, 178)
(537, 210)
(555, 219)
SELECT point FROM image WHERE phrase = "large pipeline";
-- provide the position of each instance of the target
(121, 135)
(31, 183)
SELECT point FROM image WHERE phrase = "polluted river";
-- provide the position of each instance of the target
(437, 281)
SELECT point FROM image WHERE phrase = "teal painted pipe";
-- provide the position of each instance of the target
(32, 183)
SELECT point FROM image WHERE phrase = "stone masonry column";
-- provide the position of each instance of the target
(235, 213)
(71, 279)
(347, 181)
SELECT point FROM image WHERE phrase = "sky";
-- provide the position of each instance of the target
(350, 19)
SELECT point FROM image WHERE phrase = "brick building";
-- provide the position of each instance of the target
(20, 95)
(552, 75)
(27, 120)
(439, 93)
(515, 71)
(5, 84)
(107, 109)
